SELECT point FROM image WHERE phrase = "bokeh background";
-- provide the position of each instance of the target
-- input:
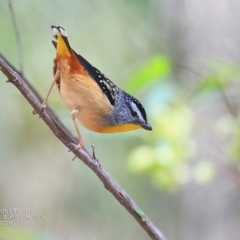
(181, 59)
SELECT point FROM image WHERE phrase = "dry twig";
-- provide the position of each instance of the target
(70, 142)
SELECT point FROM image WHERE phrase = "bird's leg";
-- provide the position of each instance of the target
(74, 114)
(56, 77)
(93, 150)
(94, 155)
(44, 103)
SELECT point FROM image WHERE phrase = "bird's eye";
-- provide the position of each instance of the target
(134, 110)
(134, 113)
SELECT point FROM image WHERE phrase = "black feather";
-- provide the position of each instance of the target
(130, 98)
(54, 43)
(107, 86)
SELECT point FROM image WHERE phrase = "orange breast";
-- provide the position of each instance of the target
(79, 90)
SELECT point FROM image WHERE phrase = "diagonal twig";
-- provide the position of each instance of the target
(62, 133)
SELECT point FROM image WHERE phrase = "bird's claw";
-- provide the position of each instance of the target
(43, 108)
(79, 146)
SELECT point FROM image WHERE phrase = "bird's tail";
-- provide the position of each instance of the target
(62, 45)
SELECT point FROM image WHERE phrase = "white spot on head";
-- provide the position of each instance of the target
(63, 32)
(55, 31)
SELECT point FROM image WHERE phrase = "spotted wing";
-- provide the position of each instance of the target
(107, 86)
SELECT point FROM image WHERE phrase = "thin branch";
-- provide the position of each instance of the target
(222, 167)
(227, 102)
(17, 35)
(230, 107)
(70, 142)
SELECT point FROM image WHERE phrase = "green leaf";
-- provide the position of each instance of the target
(213, 82)
(203, 172)
(164, 178)
(140, 213)
(155, 69)
(221, 76)
(142, 159)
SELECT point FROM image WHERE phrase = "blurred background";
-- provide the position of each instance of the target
(180, 59)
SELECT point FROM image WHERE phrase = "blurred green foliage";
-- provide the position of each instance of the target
(167, 152)
(154, 70)
(222, 74)
(166, 155)
(13, 233)
(229, 128)
(194, 131)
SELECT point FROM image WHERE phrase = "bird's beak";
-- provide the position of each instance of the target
(146, 126)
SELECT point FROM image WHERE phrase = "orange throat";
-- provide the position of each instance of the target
(117, 128)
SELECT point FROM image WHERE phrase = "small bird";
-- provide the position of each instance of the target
(92, 98)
